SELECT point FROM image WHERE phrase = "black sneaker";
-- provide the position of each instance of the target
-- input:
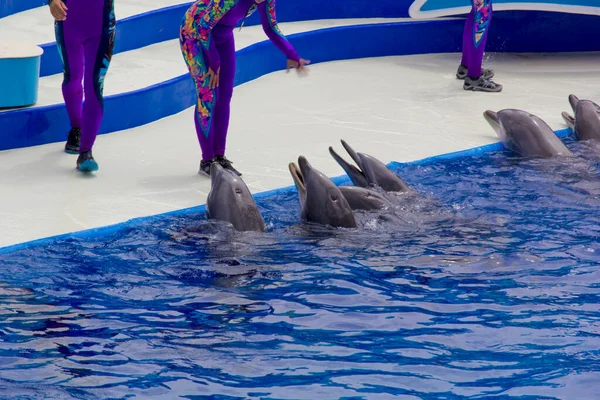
(462, 71)
(205, 167)
(86, 162)
(73, 141)
(482, 85)
(225, 163)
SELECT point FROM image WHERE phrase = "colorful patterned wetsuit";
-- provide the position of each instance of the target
(85, 43)
(475, 36)
(206, 38)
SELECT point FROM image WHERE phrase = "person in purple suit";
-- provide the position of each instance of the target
(85, 37)
(474, 39)
(208, 48)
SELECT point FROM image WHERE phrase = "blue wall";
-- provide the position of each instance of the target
(163, 24)
(534, 31)
(40, 125)
(9, 7)
(287, 10)
(157, 26)
(537, 31)
(511, 31)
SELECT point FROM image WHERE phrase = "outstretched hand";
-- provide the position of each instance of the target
(300, 66)
(214, 78)
(58, 9)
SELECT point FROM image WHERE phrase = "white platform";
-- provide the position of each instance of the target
(37, 25)
(401, 108)
(129, 71)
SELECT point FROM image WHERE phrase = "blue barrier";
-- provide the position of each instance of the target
(41, 125)
(287, 10)
(539, 31)
(157, 26)
(9, 7)
(521, 31)
(163, 24)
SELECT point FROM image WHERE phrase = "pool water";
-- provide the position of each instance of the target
(485, 284)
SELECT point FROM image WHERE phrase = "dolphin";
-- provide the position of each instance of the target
(358, 198)
(586, 122)
(525, 133)
(370, 171)
(230, 200)
(321, 201)
(364, 199)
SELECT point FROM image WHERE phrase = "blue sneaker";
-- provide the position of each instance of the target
(86, 162)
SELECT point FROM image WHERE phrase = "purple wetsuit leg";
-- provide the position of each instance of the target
(206, 141)
(86, 41)
(93, 108)
(482, 17)
(467, 39)
(226, 48)
(70, 49)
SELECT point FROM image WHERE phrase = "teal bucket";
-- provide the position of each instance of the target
(19, 73)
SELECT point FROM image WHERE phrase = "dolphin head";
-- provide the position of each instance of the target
(585, 123)
(321, 200)
(364, 199)
(230, 200)
(370, 171)
(525, 133)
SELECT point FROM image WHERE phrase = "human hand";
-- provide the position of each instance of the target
(58, 9)
(214, 78)
(300, 66)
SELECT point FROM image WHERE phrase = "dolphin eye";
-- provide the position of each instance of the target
(238, 190)
(334, 197)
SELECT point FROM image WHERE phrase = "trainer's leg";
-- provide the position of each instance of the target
(467, 43)
(478, 79)
(70, 49)
(191, 50)
(224, 93)
(479, 32)
(98, 53)
(206, 141)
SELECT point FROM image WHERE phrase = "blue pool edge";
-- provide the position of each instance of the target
(338, 180)
(528, 33)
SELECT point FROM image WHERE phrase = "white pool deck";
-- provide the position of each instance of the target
(395, 108)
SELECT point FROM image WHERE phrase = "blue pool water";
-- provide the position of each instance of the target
(485, 285)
